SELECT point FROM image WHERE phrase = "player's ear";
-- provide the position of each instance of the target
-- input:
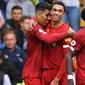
(38, 14)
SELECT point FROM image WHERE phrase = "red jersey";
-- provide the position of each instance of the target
(33, 65)
(53, 53)
(78, 45)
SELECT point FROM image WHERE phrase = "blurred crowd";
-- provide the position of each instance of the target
(14, 19)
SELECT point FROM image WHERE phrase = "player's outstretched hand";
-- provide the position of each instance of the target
(30, 25)
(71, 32)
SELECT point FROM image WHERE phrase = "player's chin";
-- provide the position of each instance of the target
(56, 20)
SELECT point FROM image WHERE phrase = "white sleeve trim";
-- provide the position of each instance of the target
(66, 46)
(42, 31)
(70, 77)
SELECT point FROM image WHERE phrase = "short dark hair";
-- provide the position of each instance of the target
(83, 14)
(60, 3)
(24, 17)
(42, 6)
(17, 8)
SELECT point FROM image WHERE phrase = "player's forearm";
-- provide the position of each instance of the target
(66, 66)
(69, 65)
(50, 38)
(62, 70)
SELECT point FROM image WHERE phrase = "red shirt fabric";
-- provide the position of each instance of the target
(33, 65)
(78, 45)
(53, 53)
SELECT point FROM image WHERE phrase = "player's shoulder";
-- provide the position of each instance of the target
(81, 33)
(79, 37)
(65, 25)
(37, 27)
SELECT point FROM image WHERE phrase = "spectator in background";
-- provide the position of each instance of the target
(3, 4)
(24, 22)
(14, 54)
(27, 6)
(9, 69)
(72, 15)
(14, 23)
(4, 79)
(2, 21)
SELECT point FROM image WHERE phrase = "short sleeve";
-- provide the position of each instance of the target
(36, 28)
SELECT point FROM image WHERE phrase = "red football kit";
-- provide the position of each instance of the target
(53, 55)
(78, 45)
(32, 70)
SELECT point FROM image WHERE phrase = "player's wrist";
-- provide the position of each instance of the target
(56, 79)
(70, 77)
(69, 33)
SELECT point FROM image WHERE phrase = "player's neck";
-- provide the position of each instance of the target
(56, 24)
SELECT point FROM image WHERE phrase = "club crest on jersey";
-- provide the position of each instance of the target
(42, 31)
(73, 43)
(54, 44)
